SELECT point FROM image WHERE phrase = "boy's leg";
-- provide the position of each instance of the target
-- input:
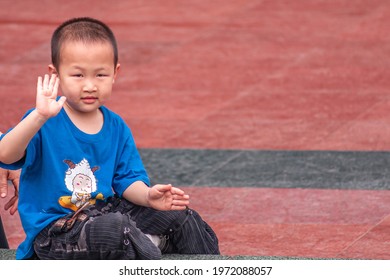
(101, 236)
(185, 230)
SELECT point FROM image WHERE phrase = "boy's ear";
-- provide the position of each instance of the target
(52, 69)
(116, 72)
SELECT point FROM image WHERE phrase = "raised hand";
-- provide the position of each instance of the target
(47, 105)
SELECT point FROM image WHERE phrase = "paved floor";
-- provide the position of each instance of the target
(272, 114)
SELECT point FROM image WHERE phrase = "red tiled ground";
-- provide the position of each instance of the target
(254, 74)
(297, 222)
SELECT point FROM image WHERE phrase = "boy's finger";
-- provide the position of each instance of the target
(181, 197)
(162, 188)
(61, 101)
(46, 81)
(51, 82)
(175, 207)
(180, 202)
(39, 84)
(55, 87)
(177, 191)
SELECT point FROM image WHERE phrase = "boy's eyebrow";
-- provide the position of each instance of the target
(77, 67)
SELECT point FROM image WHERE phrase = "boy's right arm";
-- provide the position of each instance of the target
(13, 145)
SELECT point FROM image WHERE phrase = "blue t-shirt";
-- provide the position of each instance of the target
(65, 167)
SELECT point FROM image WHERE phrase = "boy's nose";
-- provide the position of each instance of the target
(89, 86)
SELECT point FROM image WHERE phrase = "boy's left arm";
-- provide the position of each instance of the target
(159, 197)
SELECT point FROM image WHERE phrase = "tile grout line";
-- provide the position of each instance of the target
(352, 123)
(361, 236)
(220, 166)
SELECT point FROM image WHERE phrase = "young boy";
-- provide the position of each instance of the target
(84, 192)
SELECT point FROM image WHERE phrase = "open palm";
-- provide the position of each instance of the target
(46, 102)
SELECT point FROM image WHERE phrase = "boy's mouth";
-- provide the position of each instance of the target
(89, 99)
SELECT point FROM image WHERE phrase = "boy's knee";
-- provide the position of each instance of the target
(183, 217)
(105, 233)
(192, 235)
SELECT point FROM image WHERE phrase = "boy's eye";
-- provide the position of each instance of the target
(102, 75)
(77, 75)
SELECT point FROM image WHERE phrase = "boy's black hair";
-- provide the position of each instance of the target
(82, 29)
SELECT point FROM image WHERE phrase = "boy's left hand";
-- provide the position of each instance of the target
(166, 197)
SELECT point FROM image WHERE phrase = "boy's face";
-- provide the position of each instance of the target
(86, 72)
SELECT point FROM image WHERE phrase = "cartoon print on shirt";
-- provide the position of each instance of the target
(81, 181)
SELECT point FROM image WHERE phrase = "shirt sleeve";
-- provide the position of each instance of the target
(129, 167)
(13, 166)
